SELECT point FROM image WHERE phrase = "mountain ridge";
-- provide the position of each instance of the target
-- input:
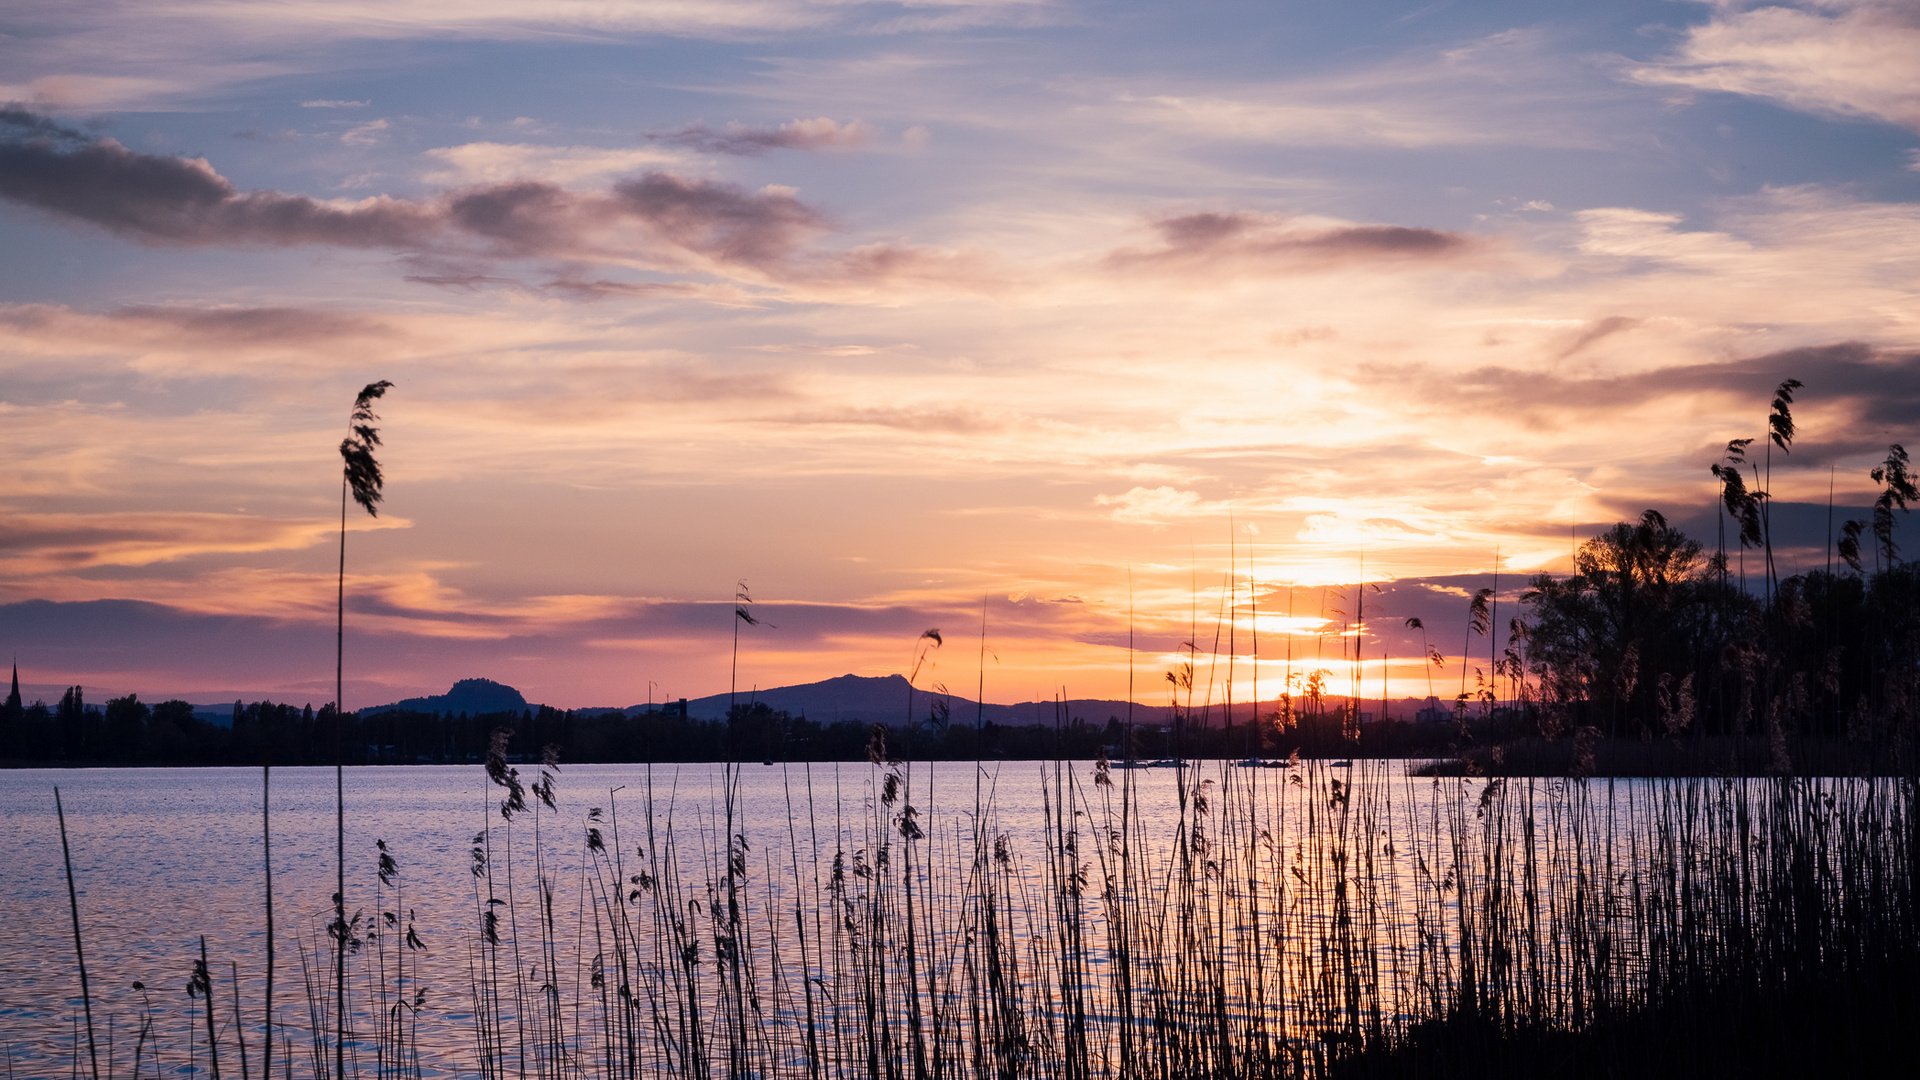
(863, 699)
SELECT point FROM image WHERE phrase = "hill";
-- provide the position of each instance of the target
(883, 700)
(471, 696)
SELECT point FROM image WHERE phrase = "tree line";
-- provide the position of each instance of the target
(128, 731)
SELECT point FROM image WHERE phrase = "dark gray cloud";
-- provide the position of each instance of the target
(18, 123)
(159, 199)
(1242, 241)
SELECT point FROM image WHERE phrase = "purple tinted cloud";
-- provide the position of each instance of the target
(1243, 240)
(250, 325)
(742, 141)
(160, 199)
(719, 219)
(1879, 389)
(677, 222)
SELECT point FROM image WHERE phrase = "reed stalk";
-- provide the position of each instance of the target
(266, 863)
(1216, 921)
(79, 952)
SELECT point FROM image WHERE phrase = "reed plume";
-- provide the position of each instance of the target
(361, 480)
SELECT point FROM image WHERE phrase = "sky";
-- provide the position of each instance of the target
(1076, 330)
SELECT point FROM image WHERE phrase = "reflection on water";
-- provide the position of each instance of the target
(853, 918)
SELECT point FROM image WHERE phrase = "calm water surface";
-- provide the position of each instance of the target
(163, 857)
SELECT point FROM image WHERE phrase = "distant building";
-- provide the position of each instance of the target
(1433, 712)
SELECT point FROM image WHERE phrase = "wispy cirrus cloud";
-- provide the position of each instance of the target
(505, 20)
(119, 54)
(47, 543)
(949, 420)
(1514, 87)
(1850, 58)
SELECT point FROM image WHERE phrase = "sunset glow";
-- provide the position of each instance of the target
(1078, 331)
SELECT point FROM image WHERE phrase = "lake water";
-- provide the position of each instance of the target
(913, 912)
(162, 857)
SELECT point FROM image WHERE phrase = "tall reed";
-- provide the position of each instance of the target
(1078, 920)
(361, 479)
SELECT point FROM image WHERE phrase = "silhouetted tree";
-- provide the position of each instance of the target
(1641, 605)
(125, 728)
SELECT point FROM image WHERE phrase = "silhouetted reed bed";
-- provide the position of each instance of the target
(1722, 756)
(1075, 919)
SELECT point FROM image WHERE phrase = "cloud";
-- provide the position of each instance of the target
(493, 163)
(1791, 266)
(160, 199)
(251, 326)
(1603, 328)
(1295, 122)
(48, 330)
(554, 648)
(331, 103)
(86, 92)
(583, 289)
(1875, 388)
(1158, 505)
(950, 421)
(720, 220)
(1835, 57)
(371, 133)
(1337, 530)
(821, 133)
(465, 282)
(1278, 243)
(171, 200)
(659, 221)
(123, 54)
(1515, 87)
(41, 543)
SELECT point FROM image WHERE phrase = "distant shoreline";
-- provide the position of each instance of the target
(1526, 758)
